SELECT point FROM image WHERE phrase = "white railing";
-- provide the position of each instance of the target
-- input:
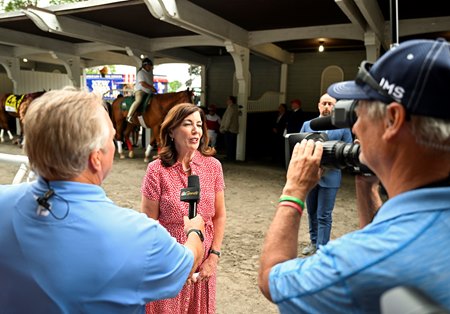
(24, 168)
(269, 101)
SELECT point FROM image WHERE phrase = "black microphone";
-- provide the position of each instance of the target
(322, 123)
(191, 194)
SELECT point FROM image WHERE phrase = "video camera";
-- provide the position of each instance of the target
(336, 154)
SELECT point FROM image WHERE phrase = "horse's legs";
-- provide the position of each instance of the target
(120, 149)
(148, 150)
(21, 142)
(126, 139)
(119, 133)
(130, 147)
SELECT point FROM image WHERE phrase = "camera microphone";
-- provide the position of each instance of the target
(322, 123)
(191, 194)
(342, 116)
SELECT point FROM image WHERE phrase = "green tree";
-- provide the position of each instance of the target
(174, 86)
(16, 5)
(193, 71)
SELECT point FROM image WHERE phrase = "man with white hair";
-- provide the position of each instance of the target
(403, 125)
(65, 246)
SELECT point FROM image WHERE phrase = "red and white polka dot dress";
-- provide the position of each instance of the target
(164, 185)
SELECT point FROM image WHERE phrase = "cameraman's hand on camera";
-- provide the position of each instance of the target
(304, 168)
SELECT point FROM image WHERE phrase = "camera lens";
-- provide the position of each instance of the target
(339, 155)
(336, 154)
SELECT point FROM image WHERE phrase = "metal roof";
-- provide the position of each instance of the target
(118, 31)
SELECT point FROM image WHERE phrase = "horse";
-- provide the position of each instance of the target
(152, 115)
(14, 106)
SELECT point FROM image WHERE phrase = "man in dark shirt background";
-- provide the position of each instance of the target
(296, 117)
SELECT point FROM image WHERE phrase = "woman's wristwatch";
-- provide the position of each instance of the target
(211, 251)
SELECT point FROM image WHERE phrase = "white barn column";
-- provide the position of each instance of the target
(203, 86)
(12, 67)
(372, 46)
(73, 67)
(241, 58)
(283, 82)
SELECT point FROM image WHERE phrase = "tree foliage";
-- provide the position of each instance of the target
(16, 5)
(174, 86)
(193, 71)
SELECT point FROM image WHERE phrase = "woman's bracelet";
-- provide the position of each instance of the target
(211, 251)
(291, 204)
(292, 199)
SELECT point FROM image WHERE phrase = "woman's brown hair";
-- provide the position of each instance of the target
(168, 153)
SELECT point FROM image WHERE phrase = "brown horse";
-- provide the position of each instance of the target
(152, 117)
(17, 107)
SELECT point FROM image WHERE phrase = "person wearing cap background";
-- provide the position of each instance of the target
(296, 117)
(213, 124)
(403, 125)
(144, 85)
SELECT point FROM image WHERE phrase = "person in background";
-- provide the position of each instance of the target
(230, 127)
(213, 124)
(403, 127)
(278, 131)
(296, 117)
(185, 152)
(144, 86)
(320, 200)
(65, 246)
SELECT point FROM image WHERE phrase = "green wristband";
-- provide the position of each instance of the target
(287, 198)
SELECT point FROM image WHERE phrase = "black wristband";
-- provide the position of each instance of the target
(211, 251)
(199, 232)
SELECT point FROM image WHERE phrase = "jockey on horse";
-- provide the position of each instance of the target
(143, 88)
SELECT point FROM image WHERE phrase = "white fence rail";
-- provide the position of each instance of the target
(269, 101)
(24, 168)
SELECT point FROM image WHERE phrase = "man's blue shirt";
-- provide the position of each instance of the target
(100, 258)
(406, 244)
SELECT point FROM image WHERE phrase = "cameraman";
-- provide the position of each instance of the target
(403, 125)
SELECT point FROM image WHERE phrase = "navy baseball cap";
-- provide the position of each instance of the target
(415, 73)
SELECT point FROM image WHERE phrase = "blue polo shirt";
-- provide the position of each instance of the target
(407, 244)
(95, 257)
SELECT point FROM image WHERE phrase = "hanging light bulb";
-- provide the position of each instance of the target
(321, 47)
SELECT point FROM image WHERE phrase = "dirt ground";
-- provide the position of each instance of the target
(252, 190)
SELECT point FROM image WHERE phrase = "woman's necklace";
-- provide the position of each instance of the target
(187, 170)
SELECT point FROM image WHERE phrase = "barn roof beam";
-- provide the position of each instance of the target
(353, 14)
(375, 21)
(48, 21)
(39, 48)
(421, 26)
(189, 16)
(185, 41)
(347, 31)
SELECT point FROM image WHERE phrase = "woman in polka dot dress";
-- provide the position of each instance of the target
(185, 152)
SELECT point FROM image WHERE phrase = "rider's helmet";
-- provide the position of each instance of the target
(146, 61)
